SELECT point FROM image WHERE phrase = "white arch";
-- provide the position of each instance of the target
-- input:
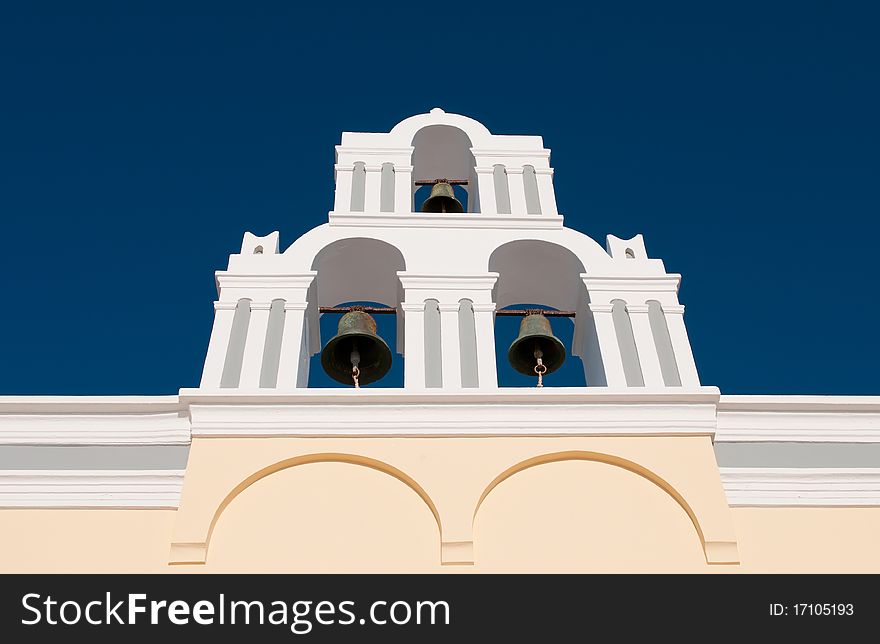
(442, 151)
(537, 271)
(357, 268)
(412, 244)
(407, 129)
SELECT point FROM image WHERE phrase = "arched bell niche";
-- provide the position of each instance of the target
(570, 374)
(357, 271)
(386, 328)
(444, 152)
(535, 274)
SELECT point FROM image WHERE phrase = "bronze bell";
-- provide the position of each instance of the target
(536, 340)
(442, 199)
(356, 349)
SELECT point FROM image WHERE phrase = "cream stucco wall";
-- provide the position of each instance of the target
(452, 477)
(330, 516)
(84, 540)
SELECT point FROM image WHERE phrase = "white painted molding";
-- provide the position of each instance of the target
(538, 154)
(403, 150)
(90, 488)
(484, 282)
(226, 279)
(652, 283)
(93, 420)
(757, 487)
(799, 403)
(165, 420)
(427, 220)
(515, 412)
(405, 397)
(813, 419)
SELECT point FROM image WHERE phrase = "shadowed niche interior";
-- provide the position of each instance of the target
(358, 271)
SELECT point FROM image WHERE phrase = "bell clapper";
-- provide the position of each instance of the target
(355, 361)
(540, 368)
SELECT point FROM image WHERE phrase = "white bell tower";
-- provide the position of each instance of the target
(446, 274)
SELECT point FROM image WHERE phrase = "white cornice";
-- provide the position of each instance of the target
(753, 486)
(90, 488)
(518, 412)
(165, 420)
(275, 281)
(344, 149)
(823, 419)
(799, 403)
(658, 283)
(84, 404)
(404, 397)
(93, 420)
(540, 153)
(485, 281)
(426, 220)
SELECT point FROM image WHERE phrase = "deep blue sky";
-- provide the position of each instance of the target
(138, 141)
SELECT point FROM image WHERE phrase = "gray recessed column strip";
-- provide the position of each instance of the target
(829, 455)
(110, 457)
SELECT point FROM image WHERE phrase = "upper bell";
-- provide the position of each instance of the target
(442, 199)
(356, 344)
(536, 340)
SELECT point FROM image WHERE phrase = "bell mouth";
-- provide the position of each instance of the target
(442, 200)
(536, 340)
(375, 357)
(521, 355)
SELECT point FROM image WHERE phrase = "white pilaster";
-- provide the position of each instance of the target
(403, 189)
(486, 188)
(649, 359)
(254, 345)
(414, 345)
(373, 189)
(484, 321)
(450, 345)
(342, 201)
(681, 345)
(224, 312)
(546, 193)
(608, 346)
(517, 189)
(292, 347)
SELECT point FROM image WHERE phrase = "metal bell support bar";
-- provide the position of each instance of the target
(372, 310)
(545, 313)
(379, 310)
